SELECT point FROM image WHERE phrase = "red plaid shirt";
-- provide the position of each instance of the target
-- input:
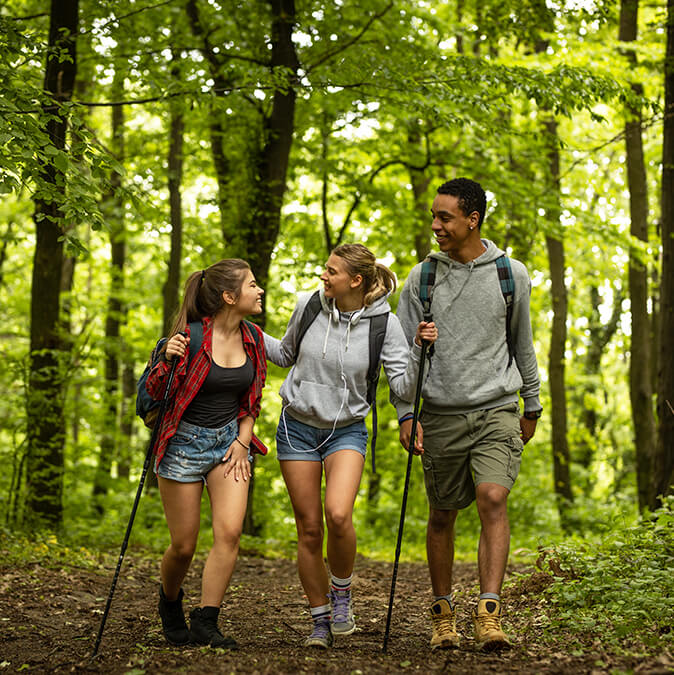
(187, 384)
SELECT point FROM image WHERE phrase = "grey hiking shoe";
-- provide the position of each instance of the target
(343, 622)
(320, 635)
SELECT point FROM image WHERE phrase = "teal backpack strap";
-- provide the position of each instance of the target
(377, 335)
(426, 283)
(252, 328)
(507, 282)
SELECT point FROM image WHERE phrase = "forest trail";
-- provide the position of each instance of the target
(50, 618)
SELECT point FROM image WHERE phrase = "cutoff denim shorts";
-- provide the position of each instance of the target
(298, 441)
(193, 451)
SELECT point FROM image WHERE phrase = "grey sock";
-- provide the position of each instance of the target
(446, 597)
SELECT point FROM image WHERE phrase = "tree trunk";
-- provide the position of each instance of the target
(641, 388)
(110, 438)
(271, 163)
(420, 181)
(127, 428)
(271, 167)
(599, 336)
(556, 362)
(663, 465)
(44, 414)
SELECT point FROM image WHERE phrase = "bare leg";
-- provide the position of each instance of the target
(343, 470)
(440, 549)
(228, 506)
(492, 552)
(182, 505)
(303, 480)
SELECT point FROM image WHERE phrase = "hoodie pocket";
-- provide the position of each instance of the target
(321, 401)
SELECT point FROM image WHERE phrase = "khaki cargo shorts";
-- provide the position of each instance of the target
(464, 450)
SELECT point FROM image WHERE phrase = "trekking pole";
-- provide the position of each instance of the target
(410, 455)
(146, 466)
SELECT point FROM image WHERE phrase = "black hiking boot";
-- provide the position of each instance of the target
(173, 620)
(204, 628)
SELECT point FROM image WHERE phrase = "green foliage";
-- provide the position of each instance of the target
(393, 98)
(620, 589)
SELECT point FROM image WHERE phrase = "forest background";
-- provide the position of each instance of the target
(142, 140)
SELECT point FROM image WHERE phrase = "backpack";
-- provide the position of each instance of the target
(506, 281)
(376, 341)
(147, 408)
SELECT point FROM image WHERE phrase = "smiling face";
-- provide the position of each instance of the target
(250, 296)
(337, 279)
(453, 229)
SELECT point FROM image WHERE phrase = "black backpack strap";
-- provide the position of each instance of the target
(377, 336)
(311, 311)
(196, 338)
(507, 282)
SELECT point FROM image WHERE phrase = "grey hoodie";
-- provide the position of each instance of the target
(327, 384)
(469, 369)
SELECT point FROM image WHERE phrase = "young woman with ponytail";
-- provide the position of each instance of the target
(206, 439)
(322, 421)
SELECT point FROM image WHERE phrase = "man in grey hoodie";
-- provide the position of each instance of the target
(471, 430)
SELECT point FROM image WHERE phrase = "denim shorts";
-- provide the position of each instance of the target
(193, 451)
(298, 441)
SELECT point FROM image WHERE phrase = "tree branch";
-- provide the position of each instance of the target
(340, 48)
(28, 18)
(117, 19)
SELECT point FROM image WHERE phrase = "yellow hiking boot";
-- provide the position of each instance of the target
(444, 625)
(488, 633)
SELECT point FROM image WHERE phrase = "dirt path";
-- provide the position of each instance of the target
(49, 619)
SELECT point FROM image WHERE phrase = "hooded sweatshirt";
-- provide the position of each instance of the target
(469, 367)
(327, 384)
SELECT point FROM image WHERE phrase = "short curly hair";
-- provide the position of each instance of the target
(470, 195)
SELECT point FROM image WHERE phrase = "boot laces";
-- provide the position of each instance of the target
(442, 622)
(341, 606)
(489, 622)
(321, 630)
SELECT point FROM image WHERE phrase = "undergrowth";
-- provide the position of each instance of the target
(620, 588)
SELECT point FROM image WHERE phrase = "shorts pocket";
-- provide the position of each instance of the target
(438, 480)
(515, 448)
(182, 438)
(429, 477)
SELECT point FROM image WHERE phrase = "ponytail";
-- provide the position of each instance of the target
(378, 280)
(383, 284)
(204, 289)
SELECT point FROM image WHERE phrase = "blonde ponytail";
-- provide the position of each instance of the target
(378, 280)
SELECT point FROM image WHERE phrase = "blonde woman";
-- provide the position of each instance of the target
(322, 422)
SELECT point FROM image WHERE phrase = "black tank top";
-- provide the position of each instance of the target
(217, 401)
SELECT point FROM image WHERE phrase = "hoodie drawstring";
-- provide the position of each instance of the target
(327, 335)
